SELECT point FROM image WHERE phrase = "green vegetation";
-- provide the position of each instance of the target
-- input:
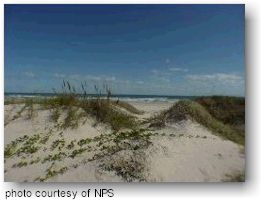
(157, 121)
(195, 111)
(21, 164)
(229, 110)
(37, 160)
(130, 167)
(127, 107)
(59, 156)
(59, 143)
(141, 136)
(103, 111)
(235, 177)
(79, 106)
(119, 120)
(45, 138)
(29, 104)
(71, 145)
(19, 113)
(84, 141)
(221, 115)
(72, 119)
(55, 115)
(77, 152)
(22, 145)
(10, 149)
(51, 173)
(14, 100)
(187, 109)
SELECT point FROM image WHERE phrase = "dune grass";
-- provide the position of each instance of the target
(102, 110)
(127, 107)
(229, 110)
(235, 177)
(13, 100)
(29, 104)
(79, 105)
(187, 109)
(55, 115)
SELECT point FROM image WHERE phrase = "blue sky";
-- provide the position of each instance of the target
(136, 49)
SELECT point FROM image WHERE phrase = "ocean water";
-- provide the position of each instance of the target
(123, 97)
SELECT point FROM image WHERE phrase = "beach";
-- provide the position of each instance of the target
(38, 148)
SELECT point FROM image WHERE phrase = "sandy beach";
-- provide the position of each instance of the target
(183, 151)
(124, 93)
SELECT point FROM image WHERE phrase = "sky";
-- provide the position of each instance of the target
(135, 49)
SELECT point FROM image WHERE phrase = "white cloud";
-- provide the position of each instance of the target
(112, 78)
(160, 76)
(123, 81)
(75, 76)
(167, 61)
(56, 75)
(165, 79)
(30, 74)
(168, 72)
(92, 78)
(177, 69)
(140, 82)
(81, 77)
(220, 77)
(155, 72)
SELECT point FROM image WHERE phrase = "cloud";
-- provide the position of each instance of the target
(160, 77)
(123, 81)
(92, 78)
(30, 74)
(83, 77)
(140, 82)
(112, 78)
(167, 61)
(164, 79)
(177, 69)
(168, 72)
(220, 77)
(56, 75)
(155, 72)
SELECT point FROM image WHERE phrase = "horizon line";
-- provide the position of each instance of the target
(157, 95)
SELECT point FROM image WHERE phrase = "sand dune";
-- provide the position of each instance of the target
(182, 151)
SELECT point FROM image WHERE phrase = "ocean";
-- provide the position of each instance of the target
(124, 97)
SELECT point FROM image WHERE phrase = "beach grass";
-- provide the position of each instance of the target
(235, 177)
(127, 107)
(104, 110)
(229, 110)
(187, 109)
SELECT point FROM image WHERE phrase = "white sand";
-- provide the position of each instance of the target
(185, 151)
(195, 156)
(151, 108)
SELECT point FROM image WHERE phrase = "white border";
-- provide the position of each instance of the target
(252, 189)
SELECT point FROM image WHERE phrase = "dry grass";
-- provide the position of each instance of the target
(229, 110)
(102, 109)
(235, 177)
(187, 109)
(128, 107)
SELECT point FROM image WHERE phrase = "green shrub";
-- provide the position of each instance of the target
(187, 109)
